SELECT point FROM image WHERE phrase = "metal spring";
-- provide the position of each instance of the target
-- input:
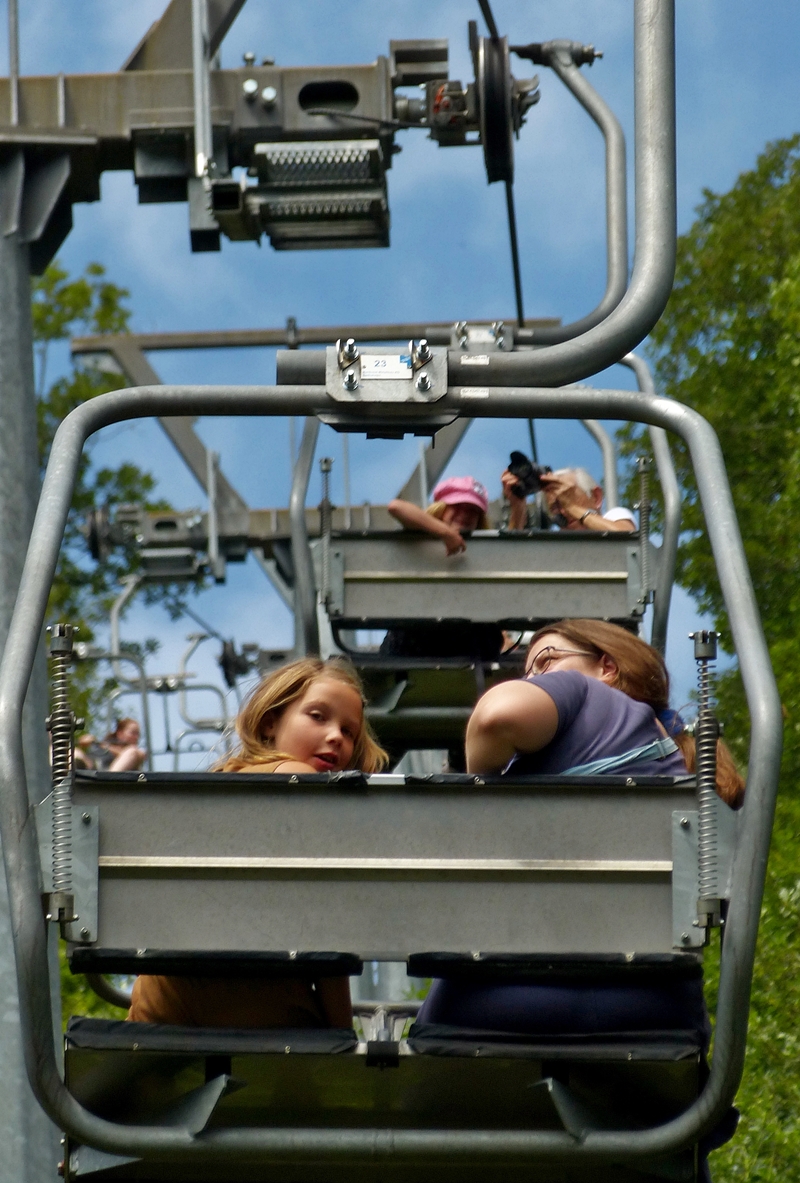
(644, 525)
(61, 725)
(326, 464)
(706, 734)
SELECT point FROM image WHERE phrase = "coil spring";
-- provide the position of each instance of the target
(326, 524)
(706, 757)
(61, 725)
(644, 525)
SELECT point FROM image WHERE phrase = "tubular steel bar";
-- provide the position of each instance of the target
(436, 332)
(654, 259)
(562, 63)
(21, 853)
(672, 509)
(609, 453)
(306, 627)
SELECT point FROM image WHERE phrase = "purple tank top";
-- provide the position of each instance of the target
(594, 721)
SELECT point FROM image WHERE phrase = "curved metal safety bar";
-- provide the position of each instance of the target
(178, 751)
(131, 584)
(654, 257)
(609, 454)
(561, 61)
(672, 509)
(21, 853)
(306, 628)
(106, 990)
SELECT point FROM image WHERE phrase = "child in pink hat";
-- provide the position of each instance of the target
(459, 503)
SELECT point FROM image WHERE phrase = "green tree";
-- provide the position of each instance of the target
(729, 346)
(83, 590)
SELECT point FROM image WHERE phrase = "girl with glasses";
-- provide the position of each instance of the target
(594, 701)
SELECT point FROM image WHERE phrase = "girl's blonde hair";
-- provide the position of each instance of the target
(642, 675)
(271, 698)
(436, 510)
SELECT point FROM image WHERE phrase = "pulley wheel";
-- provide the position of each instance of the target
(496, 114)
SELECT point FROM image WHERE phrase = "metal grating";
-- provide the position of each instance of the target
(304, 165)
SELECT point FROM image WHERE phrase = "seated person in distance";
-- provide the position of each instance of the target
(118, 752)
(574, 502)
(459, 504)
(306, 717)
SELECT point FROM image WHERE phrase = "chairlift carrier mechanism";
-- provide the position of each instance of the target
(645, 886)
(534, 883)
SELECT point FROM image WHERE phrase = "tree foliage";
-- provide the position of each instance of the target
(729, 346)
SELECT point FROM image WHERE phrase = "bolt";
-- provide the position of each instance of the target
(268, 61)
(685, 823)
(250, 89)
(269, 96)
(424, 351)
(350, 380)
(350, 351)
(684, 938)
(249, 59)
(85, 934)
(86, 818)
(424, 381)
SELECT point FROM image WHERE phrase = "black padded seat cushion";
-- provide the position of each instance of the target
(120, 1035)
(557, 968)
(214, 964)
(437, 1039)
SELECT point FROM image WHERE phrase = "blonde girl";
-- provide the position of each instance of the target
(306, 717)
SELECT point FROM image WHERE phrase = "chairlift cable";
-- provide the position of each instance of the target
(212, 632)
(512, 234)
(485, 8)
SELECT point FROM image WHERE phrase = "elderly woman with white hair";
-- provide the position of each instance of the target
(574, 502)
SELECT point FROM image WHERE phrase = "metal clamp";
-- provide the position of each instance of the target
(379, 375)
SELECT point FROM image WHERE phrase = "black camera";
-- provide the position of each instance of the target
(528, 475)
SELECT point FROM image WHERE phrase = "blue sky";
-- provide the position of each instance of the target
(737, 89)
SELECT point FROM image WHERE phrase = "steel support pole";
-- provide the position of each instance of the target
(28, 1140)
(672, 509)
(306, 631)
(562, 64)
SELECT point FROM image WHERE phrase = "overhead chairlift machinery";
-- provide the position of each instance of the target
(459, 875)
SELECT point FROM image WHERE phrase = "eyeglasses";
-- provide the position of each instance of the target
(541, 661)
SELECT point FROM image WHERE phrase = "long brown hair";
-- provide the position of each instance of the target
(270, 699)
(642, 675)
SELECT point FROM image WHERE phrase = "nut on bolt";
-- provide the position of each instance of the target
(422, 353)
(249, 89)
(423, 382)
(350, 350)
(350, 381)
(269, 96)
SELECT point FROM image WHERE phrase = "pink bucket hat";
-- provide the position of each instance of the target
(462, 490)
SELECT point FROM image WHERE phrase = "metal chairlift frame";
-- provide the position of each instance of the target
(21, 853)
(510, 385)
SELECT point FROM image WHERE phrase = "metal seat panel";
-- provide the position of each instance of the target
(383, 867)
(403, 577)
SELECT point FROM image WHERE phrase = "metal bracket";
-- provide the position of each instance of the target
(687, 933)
(385, 376)
(334, 593)
(85, 854)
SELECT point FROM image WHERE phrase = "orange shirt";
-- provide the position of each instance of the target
(243, 1002)
(222, 1002)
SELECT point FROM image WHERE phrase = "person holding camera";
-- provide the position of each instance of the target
(573, 499)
